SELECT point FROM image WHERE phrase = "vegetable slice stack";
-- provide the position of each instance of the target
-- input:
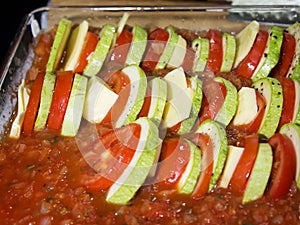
(196, 91)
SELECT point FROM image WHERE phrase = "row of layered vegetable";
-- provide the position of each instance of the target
(228, 103)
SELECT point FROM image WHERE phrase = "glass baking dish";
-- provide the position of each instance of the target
(21, 55)
(197, 18)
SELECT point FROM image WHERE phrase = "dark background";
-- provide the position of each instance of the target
(11, 18)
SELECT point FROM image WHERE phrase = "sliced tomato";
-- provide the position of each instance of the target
(119, 53)
(147, 102)
(175, 154)
(248, 65)
(118, 81)
(157, 41)
(243, 169)
(289, 96)
(284, 165)
(253, 126)
(213, 99)
(89, 46)
(120, 84)
(215, 55)
(60, 99)
(203, 141)
(286, 56)
(33, 104)
(188, 61)
(174, 129)
(116, 148)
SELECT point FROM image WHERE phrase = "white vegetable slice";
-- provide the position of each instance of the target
(234, 155)
(23, 97)
(75, 45)
(244, 41)
(247, 106)
(138, 85)
(187, 124)
(98, 101)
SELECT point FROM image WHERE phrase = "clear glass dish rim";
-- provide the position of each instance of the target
(211, 8)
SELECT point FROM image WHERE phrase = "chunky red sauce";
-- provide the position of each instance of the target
(42, 179)
(41, 183)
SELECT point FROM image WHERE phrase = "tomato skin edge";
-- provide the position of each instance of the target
(60, 99)
(215, 56)
(33, 104)
(243, 169)
(286, 56)
(289, 96)
(88, 48)
(204, 143)
(284, 166)
(248, 65)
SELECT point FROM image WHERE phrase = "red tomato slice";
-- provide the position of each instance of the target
(215, 55)
(120, 84)
(248, 65)
(284, 165)
(88, 48)
(119, 53)
(175, 154)
(213, 99)
(118, 81)
(253, 126)
(243, 169)
(204, 143)
(117, 147)
(286, 56)
(33, 104)
(175, 128)
(289, 96)
(157, 41)
(147, 102)
(188, 61)
(60, 99)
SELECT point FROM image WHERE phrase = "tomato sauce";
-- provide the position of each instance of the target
(42, 182)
